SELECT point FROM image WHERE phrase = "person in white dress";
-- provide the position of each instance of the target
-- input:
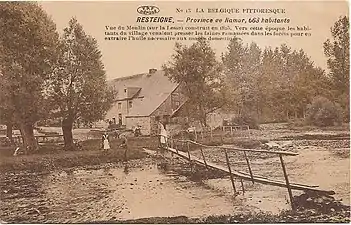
(105, 142)
(163, 135)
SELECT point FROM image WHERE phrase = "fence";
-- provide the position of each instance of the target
(213, 133)
(41, 139)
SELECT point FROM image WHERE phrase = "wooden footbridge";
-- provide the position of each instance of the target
(173, 145)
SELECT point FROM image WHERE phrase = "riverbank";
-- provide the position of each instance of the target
(283, 217)
(90, 186)
(55, 158)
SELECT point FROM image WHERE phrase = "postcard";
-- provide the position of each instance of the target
(174, 112)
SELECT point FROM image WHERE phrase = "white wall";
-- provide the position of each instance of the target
(114, 111)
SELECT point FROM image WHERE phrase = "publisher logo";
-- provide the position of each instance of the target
(148, 9)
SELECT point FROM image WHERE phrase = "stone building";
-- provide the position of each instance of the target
(144, 99)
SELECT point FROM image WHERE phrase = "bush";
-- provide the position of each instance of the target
(322, 112)
(246, 118)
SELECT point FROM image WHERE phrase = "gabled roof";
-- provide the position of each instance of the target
(147, 91)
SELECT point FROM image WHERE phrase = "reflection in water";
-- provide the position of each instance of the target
(128, 191)
(126, 169)
(113, 193)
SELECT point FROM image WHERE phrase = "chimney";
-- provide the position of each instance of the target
(152, 71)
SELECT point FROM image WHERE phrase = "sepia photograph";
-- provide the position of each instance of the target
(181, 112)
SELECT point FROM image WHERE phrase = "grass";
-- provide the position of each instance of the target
(53, 157)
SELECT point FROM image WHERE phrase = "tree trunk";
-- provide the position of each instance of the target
(203, 119)
(9, 131)
(204, 122)
(29, 141)
(67, 125)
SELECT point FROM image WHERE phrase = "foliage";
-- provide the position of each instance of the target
(243, 66)
(280, 81)
(199, 74)
(78, 87)
(28, 43)
(322, 112)
(338, 52)
(246, 118)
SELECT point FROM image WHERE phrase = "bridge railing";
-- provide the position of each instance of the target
(184, 145)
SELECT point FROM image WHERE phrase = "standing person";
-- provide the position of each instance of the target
(105, 142)
(163, 135)
(125, 146)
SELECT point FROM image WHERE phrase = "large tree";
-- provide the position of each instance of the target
(28, 43)
(198, 72)
(242, 69)
(6, 107)
(78, 87)
(338, 52)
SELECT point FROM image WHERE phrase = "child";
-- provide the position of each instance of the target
(105, 142)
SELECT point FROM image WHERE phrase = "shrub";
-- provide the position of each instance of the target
(246, 118)
(322, 112)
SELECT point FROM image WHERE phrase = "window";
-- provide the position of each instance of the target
(157, 118)
(177, 104)
(125, 90)
(119, 105)
(130, 104)
(114, 120)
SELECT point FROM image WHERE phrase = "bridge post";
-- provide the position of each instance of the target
(203, 156)
(248, 165)
(230, 171)
(287, 182)
(242, 186)
(191, 164)
(175, 145)
(188, 149)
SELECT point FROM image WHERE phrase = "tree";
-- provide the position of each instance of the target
(78, 87)
(338, 53)
(242, 69)
(28, 43)
(290, 81)
(309, 84)
(198, 72)
(323, 112)
(6, 108)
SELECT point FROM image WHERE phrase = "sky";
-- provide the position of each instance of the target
(125, 58)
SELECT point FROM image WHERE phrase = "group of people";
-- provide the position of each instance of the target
(163, 138)
(106, 144)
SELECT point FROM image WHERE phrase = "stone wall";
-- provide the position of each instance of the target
(144, 122)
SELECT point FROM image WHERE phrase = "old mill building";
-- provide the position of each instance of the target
(144, 99)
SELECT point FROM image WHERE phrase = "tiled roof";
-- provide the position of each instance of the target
(148, 91)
